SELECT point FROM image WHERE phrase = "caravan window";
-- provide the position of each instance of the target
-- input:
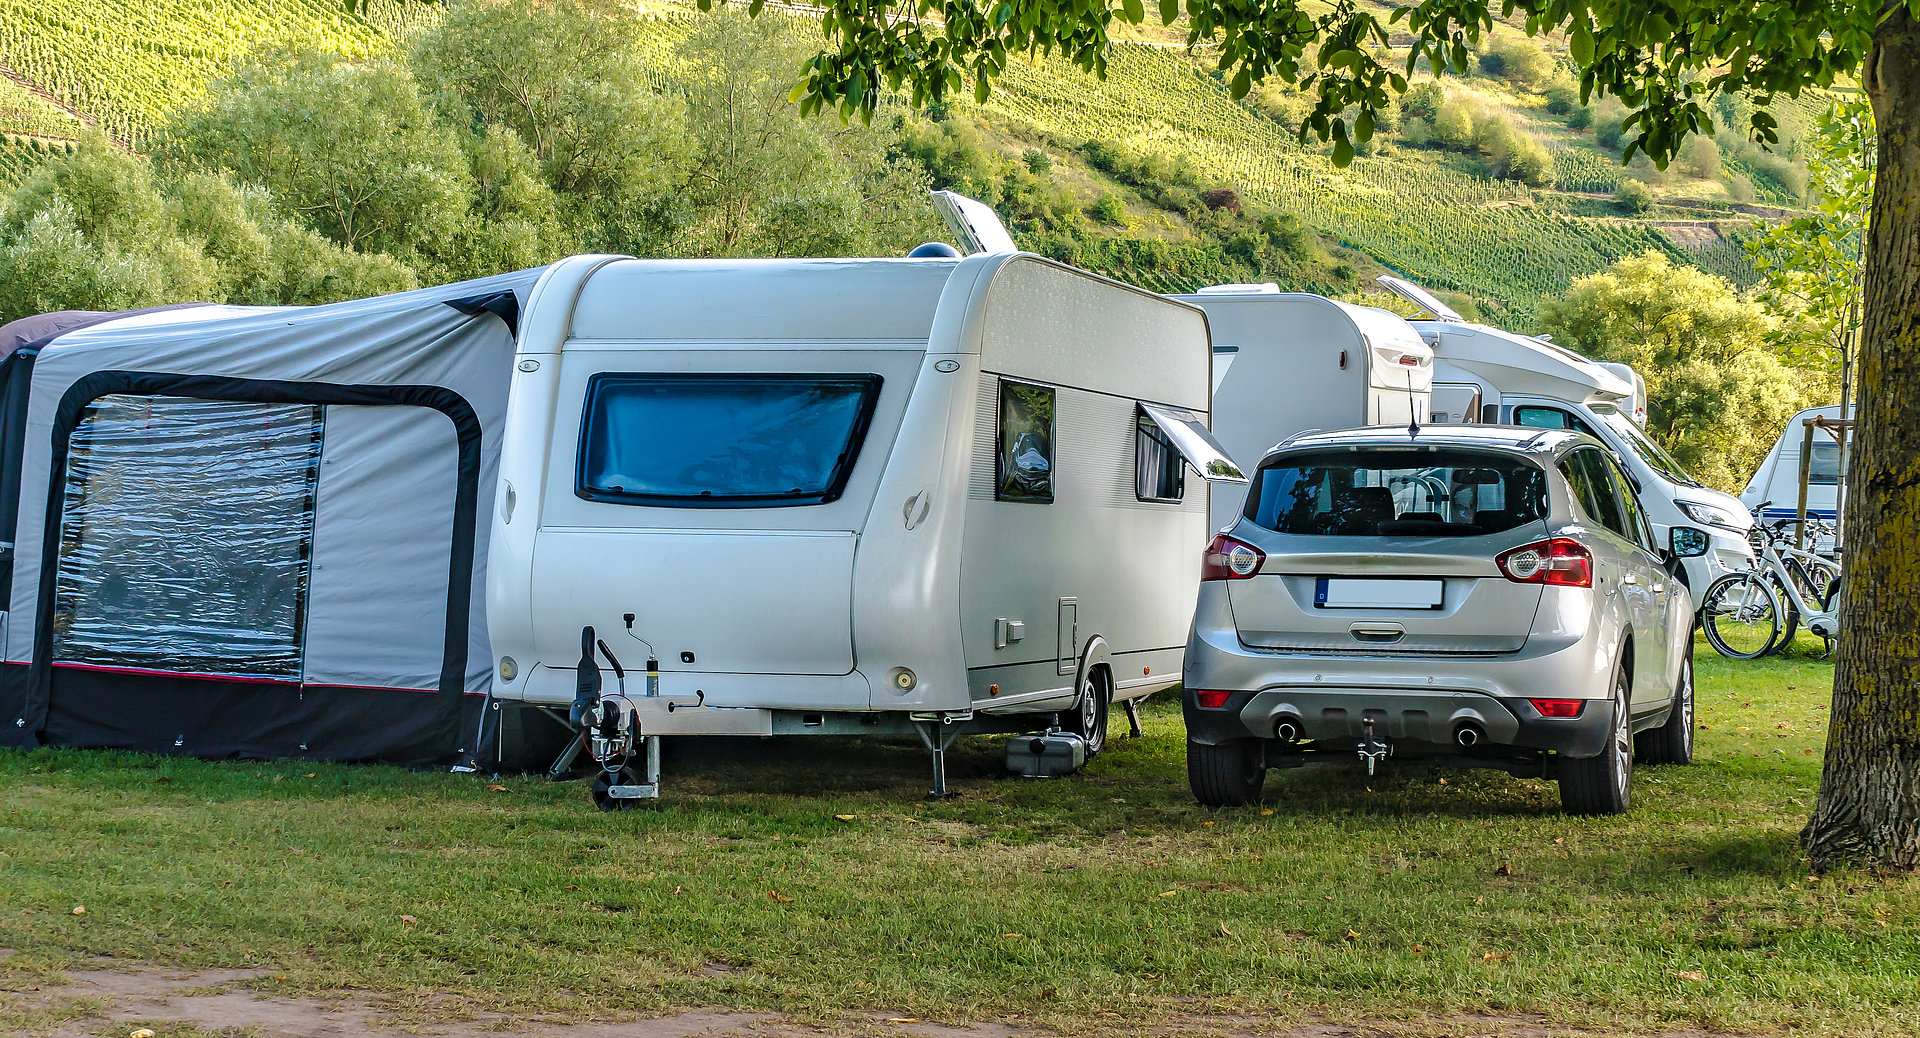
(722, 441)
(1159, 471)
(1023, 463)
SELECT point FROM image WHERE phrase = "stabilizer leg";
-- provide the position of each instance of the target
(1133, 719)
(937, 737)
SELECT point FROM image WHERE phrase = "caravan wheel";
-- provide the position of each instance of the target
(1088, 719)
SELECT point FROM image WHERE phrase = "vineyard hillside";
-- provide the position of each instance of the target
(1494, 187)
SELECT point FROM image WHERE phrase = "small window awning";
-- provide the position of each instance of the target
(1191, 437)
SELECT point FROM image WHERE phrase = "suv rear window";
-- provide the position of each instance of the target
(722, 441)
(1397, 493)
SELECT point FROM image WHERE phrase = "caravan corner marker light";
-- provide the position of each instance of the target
(508, 669)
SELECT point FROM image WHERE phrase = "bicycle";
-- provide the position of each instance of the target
(1753, 613)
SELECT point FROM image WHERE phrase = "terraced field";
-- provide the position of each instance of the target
(128, 63)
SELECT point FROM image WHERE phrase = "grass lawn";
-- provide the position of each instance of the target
(807, 876)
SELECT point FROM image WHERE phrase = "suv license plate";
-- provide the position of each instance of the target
(1347, 593)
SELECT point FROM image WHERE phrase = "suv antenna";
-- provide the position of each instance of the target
(1413, 413)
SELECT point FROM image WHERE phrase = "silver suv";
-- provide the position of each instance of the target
(1483, 596)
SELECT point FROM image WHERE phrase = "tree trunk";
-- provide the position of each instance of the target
(1869, 806)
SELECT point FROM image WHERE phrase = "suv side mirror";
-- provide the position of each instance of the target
(1687, 542)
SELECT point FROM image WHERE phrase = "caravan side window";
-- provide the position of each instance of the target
(1159, 472)
(1023, 462)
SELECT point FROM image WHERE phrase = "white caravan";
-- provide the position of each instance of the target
(1488, 375)
(1776, 483)
(847, 496)
(1288, 362)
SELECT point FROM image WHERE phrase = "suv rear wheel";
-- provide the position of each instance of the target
(1229, 774)
(1602, 784)
(1672, 743)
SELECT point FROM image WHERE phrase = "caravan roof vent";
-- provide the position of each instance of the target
(933, 249)
(1265, 288)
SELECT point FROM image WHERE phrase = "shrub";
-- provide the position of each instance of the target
(1520, 62)
(1417, 132)
(1423, 100)
(1038, 162)
(1453, 126)
(1563, 98)
(1580, 118)
(1606, 122)
(1700, 157)
(1633, 196)
(1109, 210)
(1222, 198)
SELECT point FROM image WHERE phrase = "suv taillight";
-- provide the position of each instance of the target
(1560, 560)
(1229, 559)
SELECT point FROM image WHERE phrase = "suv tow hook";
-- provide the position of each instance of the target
(1372, 750)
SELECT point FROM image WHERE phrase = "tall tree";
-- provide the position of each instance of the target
(1666, 60)
(1813, 264)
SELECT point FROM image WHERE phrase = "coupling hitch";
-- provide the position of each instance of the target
(1372, 750)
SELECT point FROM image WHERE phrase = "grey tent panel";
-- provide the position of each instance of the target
(382, 539)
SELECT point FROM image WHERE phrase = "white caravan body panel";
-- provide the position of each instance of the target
(1306, 362)
(889, 591)
(1777, 480)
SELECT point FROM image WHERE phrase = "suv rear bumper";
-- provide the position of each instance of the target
(1429, 717)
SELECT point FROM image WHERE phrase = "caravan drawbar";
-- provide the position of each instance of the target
(921, 496)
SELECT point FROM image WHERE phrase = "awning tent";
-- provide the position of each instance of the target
(254, 531)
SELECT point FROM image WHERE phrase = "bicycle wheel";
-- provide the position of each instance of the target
(1740, 615)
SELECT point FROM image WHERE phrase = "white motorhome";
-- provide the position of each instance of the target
(850, 496)
(1488, 375)
(1287, 362)
(1776, 483)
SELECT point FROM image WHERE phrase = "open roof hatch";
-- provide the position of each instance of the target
(975, 226)
(1421, 298)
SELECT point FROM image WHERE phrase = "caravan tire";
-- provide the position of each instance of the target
(1229, 774)
(1088, 718)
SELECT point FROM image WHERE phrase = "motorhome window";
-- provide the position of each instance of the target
(722, 440)
(1639, 443)
(1376, 493)
(1023, 463)
(1159, 472)
(186, 528)
(1549, 418)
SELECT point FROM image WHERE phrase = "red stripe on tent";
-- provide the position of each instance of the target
(177, 674)
(238, 679)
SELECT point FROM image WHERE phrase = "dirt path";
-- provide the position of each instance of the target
(117, 1000)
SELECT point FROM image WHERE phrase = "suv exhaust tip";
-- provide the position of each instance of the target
(1467, 733)
(1287, 729)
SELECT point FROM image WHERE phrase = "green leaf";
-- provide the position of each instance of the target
(1170, 10)
(1134, 11)
(1363, 126)
(1582, 45)
(1342, 153)
(981, 88)
(1240, 85)
(799, 91)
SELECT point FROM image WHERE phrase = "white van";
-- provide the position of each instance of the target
(1498, 377)
(850, 496)
(1776, 483)
(1287, 362)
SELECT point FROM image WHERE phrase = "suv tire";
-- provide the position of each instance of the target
(1229, 774)
(1602, 784)
(1672, 743)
